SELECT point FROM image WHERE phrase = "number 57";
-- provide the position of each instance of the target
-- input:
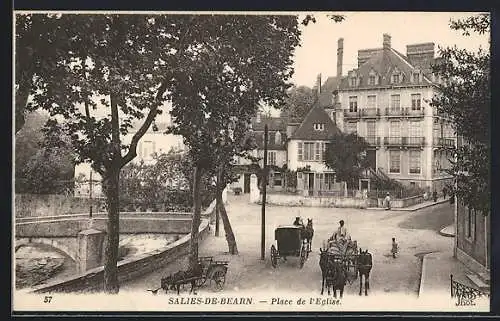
(47, 299)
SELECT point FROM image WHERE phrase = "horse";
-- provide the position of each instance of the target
(174, 281)
(365, 264)
(308, 233)
(333, 274)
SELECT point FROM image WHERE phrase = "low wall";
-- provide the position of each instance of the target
(403, 202)
(68, 245)
(316, 201)
(92, 280)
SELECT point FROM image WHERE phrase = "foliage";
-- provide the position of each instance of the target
(465, 96)
(162, 185)
(40, 169)
(346, 155)
(298, 102)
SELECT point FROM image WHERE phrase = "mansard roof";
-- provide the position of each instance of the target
(385, 62)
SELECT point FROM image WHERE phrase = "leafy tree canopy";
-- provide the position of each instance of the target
(346, 155)
(465, 95)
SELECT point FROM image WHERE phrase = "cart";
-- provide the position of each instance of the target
(290, 242)
(214, 271)
(346, 254)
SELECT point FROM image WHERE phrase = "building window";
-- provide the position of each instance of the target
(371, 129)
(371, 101)
(319, 127)
(308, 151)
(352, 127)
(416, 102)
(300, 151)
(395, 129)
(395, 161)
(470, 224)
(415, 129)
(415, 161)
(277, 138)
(395, 102)
(353, 104)
(277, 180)
(353, 81)
(329, 182)
(271, 157)
(371, 80)
(416, 77)
(396, 79)
(147, 150)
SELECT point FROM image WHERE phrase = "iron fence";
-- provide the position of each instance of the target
(459, 290)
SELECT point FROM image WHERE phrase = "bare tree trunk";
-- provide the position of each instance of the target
(111, 182)
(231, 241)
(217, 204)
(195, 224)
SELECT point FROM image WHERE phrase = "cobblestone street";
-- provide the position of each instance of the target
(416, 232)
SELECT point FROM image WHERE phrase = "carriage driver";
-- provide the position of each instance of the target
(341, 232)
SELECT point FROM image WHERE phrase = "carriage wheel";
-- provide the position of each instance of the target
(201, 281)
(218, 278)
(274, 256)
(303, 255)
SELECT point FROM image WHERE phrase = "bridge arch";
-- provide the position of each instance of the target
(67, 247)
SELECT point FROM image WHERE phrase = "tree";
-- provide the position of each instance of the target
(243, 59)
(41, 169)
(346, 155)
(299, 101)
(465, 96)
(112, 69)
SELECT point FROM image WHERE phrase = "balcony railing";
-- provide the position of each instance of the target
(414, 141)
(444, 141)
(414, 112)
(370, 112)
(351, 114)
(395, 112)
(393, 141)
(404, 141)
(372, 140)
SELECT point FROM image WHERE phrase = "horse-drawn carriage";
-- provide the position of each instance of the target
(207, 269)
(341, 262)
(291, 241)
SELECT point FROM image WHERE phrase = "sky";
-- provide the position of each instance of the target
(363, 30)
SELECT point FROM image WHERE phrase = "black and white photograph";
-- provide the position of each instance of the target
(251, 161)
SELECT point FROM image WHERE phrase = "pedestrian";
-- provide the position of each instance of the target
(445, 191)
(426, 196)
(394, 249)
(435, 196)
(387, 201)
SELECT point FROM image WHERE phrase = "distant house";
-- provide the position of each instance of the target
(306, 150)
(276, 155)
(153, 141)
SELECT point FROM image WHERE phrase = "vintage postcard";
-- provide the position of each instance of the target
(243, 162)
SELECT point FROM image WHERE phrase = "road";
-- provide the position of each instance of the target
(416, 232)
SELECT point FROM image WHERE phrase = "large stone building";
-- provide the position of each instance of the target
(386, 101)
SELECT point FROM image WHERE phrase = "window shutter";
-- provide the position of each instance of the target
(299, 151)
(317, 152)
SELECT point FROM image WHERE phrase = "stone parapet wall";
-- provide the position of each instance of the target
(128, 269)
(32, 205)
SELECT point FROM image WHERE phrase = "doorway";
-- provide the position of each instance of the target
(246, 183)
(311, 184)
(371, 157)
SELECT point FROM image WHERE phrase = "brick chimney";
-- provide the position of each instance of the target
(340, 56)
(386, 44)
(421, 55)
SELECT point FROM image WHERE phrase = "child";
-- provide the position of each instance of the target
(387, 201)
(394, 247)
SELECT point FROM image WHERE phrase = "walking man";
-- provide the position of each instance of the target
(394, 249)
(445, 191)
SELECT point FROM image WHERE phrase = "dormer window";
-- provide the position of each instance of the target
(397, 76)
(353, 81)
(371, 80)
(319, 127)
(416, 77)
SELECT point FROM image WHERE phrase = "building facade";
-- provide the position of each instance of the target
(386, 101)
